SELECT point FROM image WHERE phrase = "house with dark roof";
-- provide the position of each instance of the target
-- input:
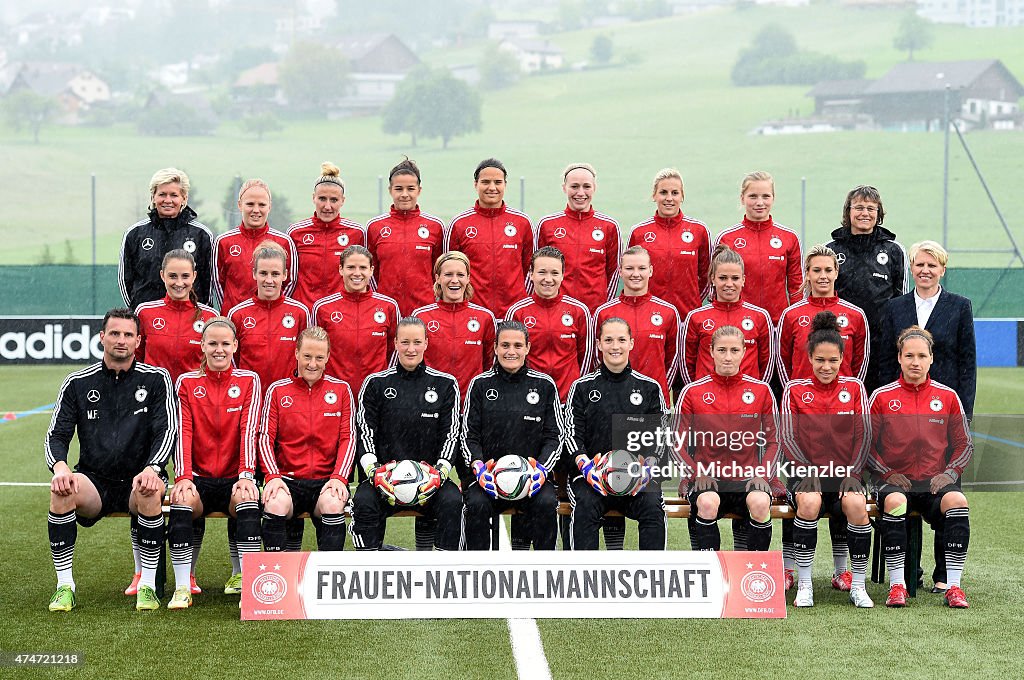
(76, 89)
(913, 96)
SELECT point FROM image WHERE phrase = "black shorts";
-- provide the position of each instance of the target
(114, 495)
(924, 502)
(730, 503)
(305, 494)
(214, 493)
(831, 501)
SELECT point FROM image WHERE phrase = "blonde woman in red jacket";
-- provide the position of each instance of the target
(215, 460)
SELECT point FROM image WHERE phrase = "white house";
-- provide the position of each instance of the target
(533, 54)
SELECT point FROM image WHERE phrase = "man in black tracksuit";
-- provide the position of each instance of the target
(124, 414)
(872, 267)
(511, 410)
(408, 412)
(171, 224)
(594, 400)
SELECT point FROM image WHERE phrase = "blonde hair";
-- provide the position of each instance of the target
(330, 174)
(635, 250)
(448, 257)
(820, 250)
(914, 332)
(932, 248)
(313, 333)
(168, 176)
(269, 250)
(668, 173)
(210, 323)
(726, 332)
(723, 255)
(255, 182)
(756, 176)
(578, 166)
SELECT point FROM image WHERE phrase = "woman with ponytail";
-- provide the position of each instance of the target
(171, 327)
(215, 460)
(824, 431)
(321, 239)
(821, 269)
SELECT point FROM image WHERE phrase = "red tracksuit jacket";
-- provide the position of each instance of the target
(308, 432)
(171, 336)
(680, 249)
(268, 331)
(795, 327)
(728, 406)
(362, 328)
(919, 431)
(695, 339)
(655, 327)
(591, 245)
(460, 339)
(218, 415)
(405, 244)
(561, 337)
(232, 263)
(499, 245)
(320, 245)
(771, 261)
(821, 424)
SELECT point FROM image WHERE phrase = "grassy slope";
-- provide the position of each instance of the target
(675, 107)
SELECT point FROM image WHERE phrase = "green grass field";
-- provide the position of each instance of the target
(674, 106)
(926, 640)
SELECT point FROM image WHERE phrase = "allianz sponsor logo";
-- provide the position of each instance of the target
(50, 343)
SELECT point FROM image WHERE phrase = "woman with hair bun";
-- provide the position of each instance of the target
(171, 225)
(405, 242)
(321, 239)
(821, 268)
(824, 429)
(233, 250)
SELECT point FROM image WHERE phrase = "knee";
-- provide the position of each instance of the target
(855, 509)
(760, 504)
(326, 505)
(952, 500)
(62, 504)
(477, 501)
(707, 505)
(894, 501)
(281, 505)
(808, 506)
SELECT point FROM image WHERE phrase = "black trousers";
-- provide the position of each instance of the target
(589, 507)
(370, 513)
(540, 513)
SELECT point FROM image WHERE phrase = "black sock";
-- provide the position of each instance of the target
(760, 535)
(198, 532)
(740, 534)
(957, 535)
(179, 538)
(151, 537)
(63, 531)
(894, 546)
(519, 533)
(858, 540)
(294, 529)
(274, 532)
(837, 531)
(332, 533)
(708, 535)
(805, 541)
(248, 534)
(614, 529)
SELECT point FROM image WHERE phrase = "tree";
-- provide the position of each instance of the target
(46, 255)
(915, 33)
(69, 253)
(313, 76)
(433, 103)
(175, 119)
(27, 110)
(601, 49)
(498, 69)
(260, 124)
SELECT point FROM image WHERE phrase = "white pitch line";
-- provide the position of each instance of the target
(527, 648)
(24, 484)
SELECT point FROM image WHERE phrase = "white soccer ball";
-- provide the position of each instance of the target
(620, 473)
(406, 479)
(512, 477)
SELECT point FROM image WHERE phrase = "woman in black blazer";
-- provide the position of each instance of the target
(948, 317)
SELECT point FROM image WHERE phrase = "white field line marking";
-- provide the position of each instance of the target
(527, 648)
(24, 484)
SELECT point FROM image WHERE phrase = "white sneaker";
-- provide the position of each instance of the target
(860, 598)
(804, 596)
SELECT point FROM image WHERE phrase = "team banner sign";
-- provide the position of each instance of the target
(489, 585)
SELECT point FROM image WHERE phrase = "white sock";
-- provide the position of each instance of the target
(64, 578)
(803, 575)
(896, 577)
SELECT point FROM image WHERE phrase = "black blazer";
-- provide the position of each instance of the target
(951, 324)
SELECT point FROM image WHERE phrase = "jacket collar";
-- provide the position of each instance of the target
(489, 212)
(616, 377)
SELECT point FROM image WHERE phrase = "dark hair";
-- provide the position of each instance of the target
(121, 313)
(182, 254)
(512, 326)
(406, 167)
(355, 250)
(489, 163)
(547, 251)
(824, 328)
(614, 319)
(865, 193)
